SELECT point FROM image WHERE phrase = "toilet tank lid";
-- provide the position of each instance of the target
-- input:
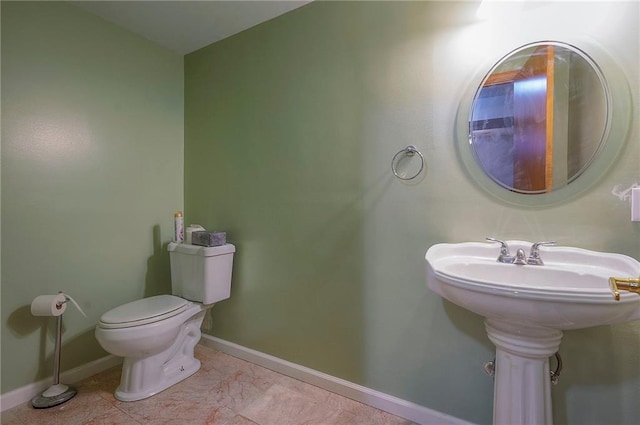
(147, 309)
(205, 251)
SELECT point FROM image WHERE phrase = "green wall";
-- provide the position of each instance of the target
(92, 172)
(290, 128)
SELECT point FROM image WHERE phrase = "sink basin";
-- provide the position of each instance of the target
(570, 291)
(526, 309)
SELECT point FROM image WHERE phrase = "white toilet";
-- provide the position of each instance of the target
(157, 335)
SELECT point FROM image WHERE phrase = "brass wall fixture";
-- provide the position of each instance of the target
(625, 284)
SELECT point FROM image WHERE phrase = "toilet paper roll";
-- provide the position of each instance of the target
(49, 305)
(52, 305)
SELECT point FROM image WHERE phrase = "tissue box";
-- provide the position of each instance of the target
(207, 238)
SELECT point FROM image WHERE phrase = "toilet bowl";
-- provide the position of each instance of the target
(156, 336)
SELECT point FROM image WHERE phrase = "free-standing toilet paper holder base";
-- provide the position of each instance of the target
(57, 393)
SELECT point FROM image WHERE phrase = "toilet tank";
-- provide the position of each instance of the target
(201, 274)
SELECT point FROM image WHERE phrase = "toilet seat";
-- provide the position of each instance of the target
(144, 311)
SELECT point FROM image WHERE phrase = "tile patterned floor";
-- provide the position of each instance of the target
(225, 391)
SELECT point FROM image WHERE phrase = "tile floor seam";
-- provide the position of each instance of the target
(125, 412)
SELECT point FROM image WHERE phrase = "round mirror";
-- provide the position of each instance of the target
(539, 118)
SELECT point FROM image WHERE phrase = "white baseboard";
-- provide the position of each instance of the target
(396, 406)
(24, 394)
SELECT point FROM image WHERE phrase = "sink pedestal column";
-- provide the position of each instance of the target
(522, 389)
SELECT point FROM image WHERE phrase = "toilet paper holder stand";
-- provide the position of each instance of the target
(57, 393)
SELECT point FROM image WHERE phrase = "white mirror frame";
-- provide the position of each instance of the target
(620, 118)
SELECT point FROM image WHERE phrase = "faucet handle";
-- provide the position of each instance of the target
(534, 254)
(504, 256)
(535, 248)
(504, 248)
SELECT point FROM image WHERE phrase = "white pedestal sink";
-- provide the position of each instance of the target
(526, 308)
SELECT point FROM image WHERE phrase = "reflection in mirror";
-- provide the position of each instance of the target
(539, 117)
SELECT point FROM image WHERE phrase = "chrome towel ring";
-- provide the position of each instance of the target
(408, 151)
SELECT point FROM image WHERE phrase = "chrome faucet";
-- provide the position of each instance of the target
(519, 260)
(534, 255)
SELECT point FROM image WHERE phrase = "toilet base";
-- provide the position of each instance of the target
(143, 377)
